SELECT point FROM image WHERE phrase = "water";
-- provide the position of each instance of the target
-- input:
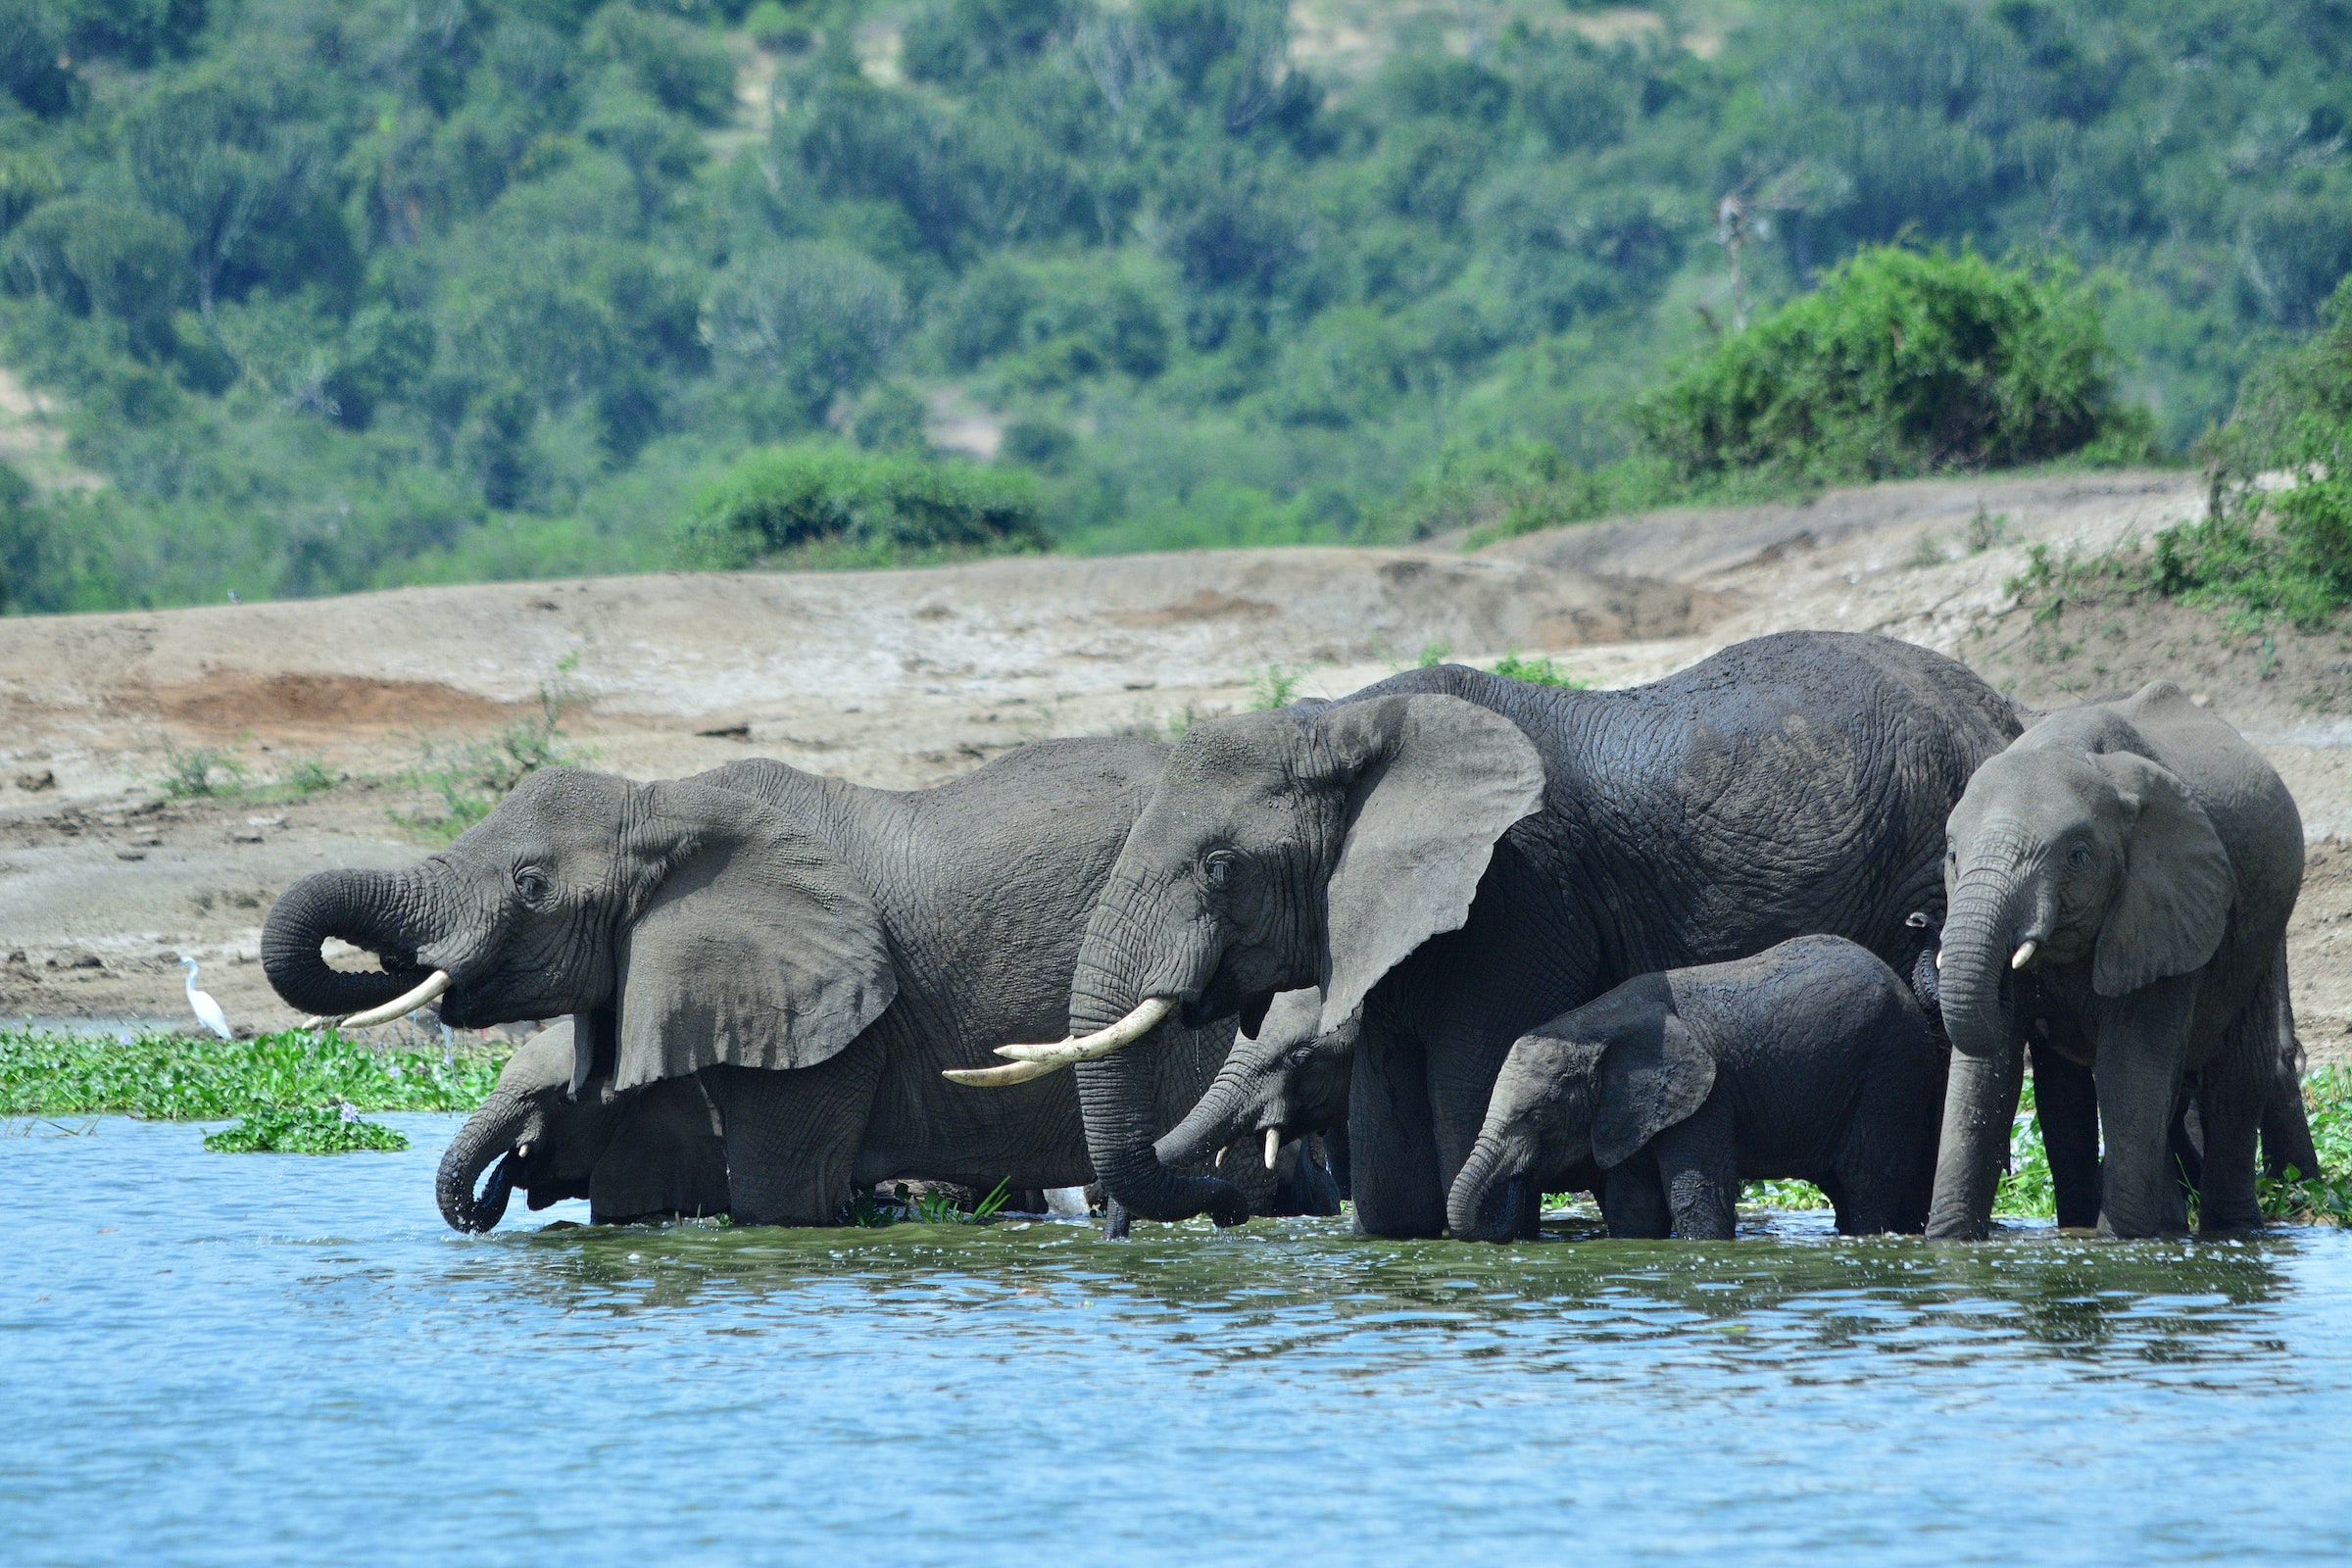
(259, 1358)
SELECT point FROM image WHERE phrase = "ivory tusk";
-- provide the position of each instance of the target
(399, 1007)
(1103, 1042)
(1273, 1146)
(1012, 1072)
(2023, 956)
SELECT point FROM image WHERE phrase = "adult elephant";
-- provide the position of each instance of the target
(2123, 874)
(1465, 857)
(784, 961)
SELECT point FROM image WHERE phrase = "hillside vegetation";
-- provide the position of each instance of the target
(368, 292)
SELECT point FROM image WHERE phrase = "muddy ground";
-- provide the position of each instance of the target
(902, 679)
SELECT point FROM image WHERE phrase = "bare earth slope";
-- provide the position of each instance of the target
(905, 678)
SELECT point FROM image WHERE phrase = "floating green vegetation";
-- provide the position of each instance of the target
(178, 1078)
(931, 1207)
(310, 1130)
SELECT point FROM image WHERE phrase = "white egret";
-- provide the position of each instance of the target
(208, 1011)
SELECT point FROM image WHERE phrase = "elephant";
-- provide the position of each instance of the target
(1812, 1059)
(2121, 875)
(1464, 857)
(1287, 1079)
(766, 971)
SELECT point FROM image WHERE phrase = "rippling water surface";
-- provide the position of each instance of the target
(217, 1358)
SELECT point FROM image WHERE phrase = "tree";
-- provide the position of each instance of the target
(220, 155)
(816, 318)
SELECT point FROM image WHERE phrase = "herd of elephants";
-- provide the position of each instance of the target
(1803, 909)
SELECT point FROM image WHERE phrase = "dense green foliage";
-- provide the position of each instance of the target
(314, 1130)
(337, 295)
(2288, 552)
(177, 1078)
(821, 502)
(1899, 363)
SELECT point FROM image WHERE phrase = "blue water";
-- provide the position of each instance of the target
(260, 1358)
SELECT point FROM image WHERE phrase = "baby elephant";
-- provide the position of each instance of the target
(1811, 1059)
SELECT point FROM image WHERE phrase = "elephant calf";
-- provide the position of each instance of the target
(1811, 1059)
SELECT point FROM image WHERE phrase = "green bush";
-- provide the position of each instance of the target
(1902, 362)
(826, 503)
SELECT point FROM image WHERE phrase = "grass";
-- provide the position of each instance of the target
(178, 1078)
(1536, 672)
(310, 1130)
(472, 777)
(928, 1207)
(1273, 687)
(200, 771)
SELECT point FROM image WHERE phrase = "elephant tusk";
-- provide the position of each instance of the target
(1012, 1072)
(2023, 956)
(1103, 1042)
(1273, 1146)
(399, 1007)
(522, 1150)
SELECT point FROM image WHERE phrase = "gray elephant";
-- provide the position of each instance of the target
(1465, 857)
(1287, 1082)
(768, 972)
(2122, 875)
(1811, 1059)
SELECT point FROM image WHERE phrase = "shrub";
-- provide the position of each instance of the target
(1901, 362)
(826, 503)
(2285, 553)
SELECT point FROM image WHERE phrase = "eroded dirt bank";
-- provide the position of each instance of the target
(901, 679)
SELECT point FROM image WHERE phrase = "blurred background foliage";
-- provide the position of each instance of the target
(329, 294)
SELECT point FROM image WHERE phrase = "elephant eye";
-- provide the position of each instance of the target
(529, 883)
(1216, 867)
(2079, 856)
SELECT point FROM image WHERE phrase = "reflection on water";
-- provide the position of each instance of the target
(263, 1357)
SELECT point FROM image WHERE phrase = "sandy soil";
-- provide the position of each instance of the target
(902, 679)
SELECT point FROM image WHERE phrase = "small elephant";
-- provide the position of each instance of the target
(2122, 878)
(1811, 1059)
(1287, 1079)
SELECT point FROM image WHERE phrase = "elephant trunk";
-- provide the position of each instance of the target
(1484, 1205)
(1986, 923)
(1117, 1094)
(1230, 1108)
(377, 910)
(487, 1137)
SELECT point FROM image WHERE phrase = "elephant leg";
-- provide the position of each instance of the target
(2285, 1124)
(2142, 1041)
(1633, 1199)
(792, 1136)
(1699, 1163)
(2232, 1091)
(1335, 1149)
(1531, 1209)
(1398, 1193)
(667, 1158)
(1117, 1223)
(2066, 1102)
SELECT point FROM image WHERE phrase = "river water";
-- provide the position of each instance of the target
(213, 1358)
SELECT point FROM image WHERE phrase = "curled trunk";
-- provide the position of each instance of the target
(1484, 1206)
(372, 909)
(1230, 1109)
(487, 1137)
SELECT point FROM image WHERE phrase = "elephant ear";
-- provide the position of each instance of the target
(1648, 1083)
(2174, 906)
(1434, 781)
(757, 949)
